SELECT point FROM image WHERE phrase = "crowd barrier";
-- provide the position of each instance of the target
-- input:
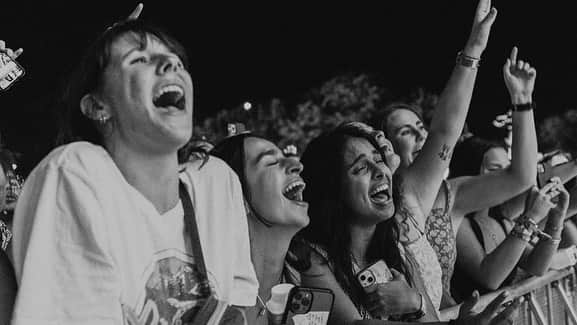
(549, 299)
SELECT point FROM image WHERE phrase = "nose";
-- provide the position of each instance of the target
(421, 134)
(294, 166)
(378, 172)
(168, 63)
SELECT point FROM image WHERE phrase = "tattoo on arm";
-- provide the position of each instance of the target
(445, 153)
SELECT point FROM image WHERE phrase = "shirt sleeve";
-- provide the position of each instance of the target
(61, 260)
(245, 286)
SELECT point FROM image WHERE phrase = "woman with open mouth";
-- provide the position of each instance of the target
(273, 192)
(352, 206)
(110, 231)
(459, 196)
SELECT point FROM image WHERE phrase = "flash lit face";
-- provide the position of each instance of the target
(275, 184)
(407, 133)
(495, 159)
(148, 94)
(367, 183)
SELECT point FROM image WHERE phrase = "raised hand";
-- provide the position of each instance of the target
(395, 297)
(560, 198)
(540, 201)
(519, 78)
(491, 315)
(484, 17)
(133, 15)
(386, 147)
(11, 53)
(136, 12)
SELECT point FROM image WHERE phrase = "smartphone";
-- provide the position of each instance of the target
(375, 273)
(308, 306)
(10, 71)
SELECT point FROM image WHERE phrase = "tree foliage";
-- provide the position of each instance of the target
(349, 97)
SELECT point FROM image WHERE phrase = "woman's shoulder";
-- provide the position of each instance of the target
(209, 167)
(79, 156)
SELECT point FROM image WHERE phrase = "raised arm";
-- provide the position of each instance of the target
(426, 173)
(471, 193)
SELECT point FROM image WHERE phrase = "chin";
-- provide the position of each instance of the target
(386, 213)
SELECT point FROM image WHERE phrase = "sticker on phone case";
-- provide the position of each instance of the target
(312, 318)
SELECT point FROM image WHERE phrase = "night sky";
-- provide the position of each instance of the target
(256, 52)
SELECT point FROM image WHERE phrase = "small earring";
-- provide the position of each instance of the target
(102, 119)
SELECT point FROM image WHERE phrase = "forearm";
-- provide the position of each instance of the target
(514, 207)
(565, 171)
(538, 262)
(524, 150)
(454, 101)
(497, 265)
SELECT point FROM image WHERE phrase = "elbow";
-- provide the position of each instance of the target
(524, 178)
(492, 285)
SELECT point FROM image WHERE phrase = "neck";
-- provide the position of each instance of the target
(154, 175)
(269, 246)
(361, 237)
(484, 213)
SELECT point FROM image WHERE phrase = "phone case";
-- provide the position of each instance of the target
(375, 273)
(308, 306)
(10, 71)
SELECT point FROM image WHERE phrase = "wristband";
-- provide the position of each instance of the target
(524, 229)
(522, 107)
(467, 61)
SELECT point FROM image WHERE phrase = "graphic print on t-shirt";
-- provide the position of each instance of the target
(173, 286)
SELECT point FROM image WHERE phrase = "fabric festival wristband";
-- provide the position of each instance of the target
(522, 107)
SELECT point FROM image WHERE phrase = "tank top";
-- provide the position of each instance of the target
(441, 236)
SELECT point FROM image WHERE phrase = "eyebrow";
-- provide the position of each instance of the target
(269, 152)
(129, 52)
(361, 156)
(418, 123)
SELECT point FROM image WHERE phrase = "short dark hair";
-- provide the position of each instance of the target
(87, 77)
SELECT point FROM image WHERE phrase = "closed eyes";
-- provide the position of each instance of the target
(140, 59)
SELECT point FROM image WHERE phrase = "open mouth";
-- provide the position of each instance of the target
(294, 191)
(170, 96)
(416, 153)
(381, 194)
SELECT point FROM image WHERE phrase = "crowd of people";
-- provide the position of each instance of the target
(127, 221)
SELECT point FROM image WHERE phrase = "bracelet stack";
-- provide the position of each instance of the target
(523, 230)
(527, 230)
(467, 61)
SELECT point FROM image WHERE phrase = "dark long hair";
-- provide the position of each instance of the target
(88, 77)
(330, 218)
(233, 152)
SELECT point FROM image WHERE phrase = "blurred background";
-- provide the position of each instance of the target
(289, 69)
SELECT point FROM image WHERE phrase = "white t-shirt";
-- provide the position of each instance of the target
(89, 248)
